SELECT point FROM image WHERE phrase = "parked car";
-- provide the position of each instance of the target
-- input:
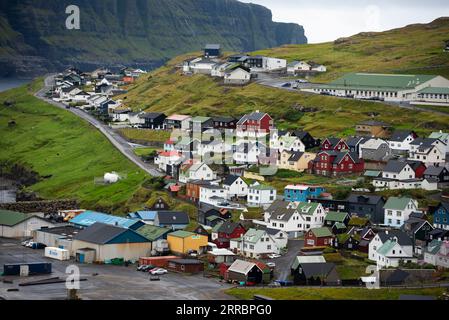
(286, 85)
(284, 283)
(274, 256)
(271, 264)
(193, 253)
(158, 271)
(26, 243)
(145, 268)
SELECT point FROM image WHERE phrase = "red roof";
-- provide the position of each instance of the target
(172, 153)
(169, 141)
(175, 188)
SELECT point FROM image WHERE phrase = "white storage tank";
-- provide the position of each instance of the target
(111, 177)
(57, 253)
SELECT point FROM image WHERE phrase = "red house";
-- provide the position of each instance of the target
(418, 167)
(255, 122)
(335, 144)
(318, 237)
(227, 231)
(332, 163)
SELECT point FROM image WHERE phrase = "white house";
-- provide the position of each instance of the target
(391, 253)
(437, 253)
(400, 141)
(196, 171)
(397, 210)
(260, 195)
(247, 152)
(286, 142)
(383, 236)
(135, 120)
(237, 76)
(255, 243)
(442, 136)
(212, 194)
(219, 70)
(297, 66)
(432, 152)
(294, 218)
(120, 115)
(235, 186)
(168, 158)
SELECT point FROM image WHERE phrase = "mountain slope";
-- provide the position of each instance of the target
(140, 32)
(167, 90)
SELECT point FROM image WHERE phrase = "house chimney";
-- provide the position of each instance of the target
(386, 232)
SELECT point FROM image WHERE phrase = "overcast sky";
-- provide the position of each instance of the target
(327, 20)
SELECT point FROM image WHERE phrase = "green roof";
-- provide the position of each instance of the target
(336, 216)
(340, 225)
(152, 233)
(217, 226)
(254, 235)
(212, 218)
(182, 234)
(372, 173)
(381, 81)
(434, 90)
(395, 203)
(322, 232)
(262, 187)
(307, 208)
(358, 221)
(11, 218)
(200, 119)
(386, 247)
(434, 246)
(439, 135)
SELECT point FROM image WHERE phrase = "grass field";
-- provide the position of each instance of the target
(413, 49)
(331, 293)
(145, 135)
(63, 148)
(144, 151)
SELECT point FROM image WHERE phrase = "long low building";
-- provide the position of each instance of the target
(18, 225)
(388, 87)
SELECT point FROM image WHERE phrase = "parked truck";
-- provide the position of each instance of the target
(57, 253)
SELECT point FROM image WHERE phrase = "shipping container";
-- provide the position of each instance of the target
(57, 253)
(161, 262)
(33, 268)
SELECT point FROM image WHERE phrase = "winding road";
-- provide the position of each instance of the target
(125, 147)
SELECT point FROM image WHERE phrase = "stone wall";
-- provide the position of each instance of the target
(48, 206)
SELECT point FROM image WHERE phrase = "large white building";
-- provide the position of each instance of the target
(18, 225)
(260, 195)
(383, 236)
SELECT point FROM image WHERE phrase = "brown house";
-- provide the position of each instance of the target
(193, 189)
(186, 265)
(372, 128)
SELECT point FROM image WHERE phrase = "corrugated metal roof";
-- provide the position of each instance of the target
(88, 218)
(382, 81)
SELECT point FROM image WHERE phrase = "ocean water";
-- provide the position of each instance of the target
(10, 83)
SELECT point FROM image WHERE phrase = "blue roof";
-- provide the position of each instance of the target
(146, 215)
(88, 218)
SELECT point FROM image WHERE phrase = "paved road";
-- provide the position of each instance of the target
(274, 81)
(110, 283)
(126, 148)
(283, 264)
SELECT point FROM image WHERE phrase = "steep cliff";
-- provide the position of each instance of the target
(33, 36)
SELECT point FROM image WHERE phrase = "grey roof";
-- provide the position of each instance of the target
(434, 171)
(295, 156)
(400, 135)
(230, 179)
(424, 142)
(395, 166)
(403, 238)
(317, 269)
(333, 141)
(354, 141)
(100, 233)
(224, 119)
(173, 217)
(212, 46)
(279, 209)
(257, 116)
(363, 199)
(151, 115)
(65, 231)
(228, 227)
(271, 231)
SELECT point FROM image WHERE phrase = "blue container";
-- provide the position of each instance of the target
(33, 268)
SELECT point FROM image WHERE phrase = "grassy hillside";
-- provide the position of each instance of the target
(167, 90)
(65, 150)
(414, 49)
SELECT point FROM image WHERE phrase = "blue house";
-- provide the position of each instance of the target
(88, 218)
(146, 216)
(441, 216)
(302, 192)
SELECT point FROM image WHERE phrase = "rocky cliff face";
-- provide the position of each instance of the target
(33, 37)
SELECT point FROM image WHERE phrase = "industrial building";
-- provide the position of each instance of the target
(58, 237)
(112, 242)
(88, 218)
(417, 89)
(183, 242)
(20, 225)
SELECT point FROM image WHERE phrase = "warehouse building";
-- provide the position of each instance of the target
(388, 87)
(88, 218)
(57, 237)
(112, 242)
(184, 242)
(20, 225)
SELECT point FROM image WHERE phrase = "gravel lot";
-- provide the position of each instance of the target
(111, 283)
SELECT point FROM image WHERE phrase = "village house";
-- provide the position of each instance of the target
(284, 141)
(375, 149)
(437, 254)
(337, 221)
(307, 139)
(146, 216)
(212, 194)
(254, 244)
(354, 144)
(400, 237)
(372, 128)
(260, 195)
(228, 230)
(263, 64)
(299, 67)
(220, 68)
(245, 272)
(223, 123)
(237, 75)
(334, 144)
(199, 66)
(200, 124)
(439, 174)
(120, 115)
(295, 161)
(155, 235)
(432, 152)
(193, 189)
(212, 51)
(367, 206)
(442, 136)
(418, 229)
(172, 220)
(332, 163)
(177, 121)
(153, 120)
(167, 160)
(196, 171)
(302, 192)
(210, 215)
(391, 253)
(441, 216)
(294, 218)
(400, 141)
(398, 210)
(255, 124)
(112, 242)
(235, 187)
(318, 237)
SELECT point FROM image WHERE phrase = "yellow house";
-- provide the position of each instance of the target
(182, 242)
(296, 161)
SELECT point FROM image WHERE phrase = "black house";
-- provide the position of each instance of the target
(210, 215)
(440, 174)
(153, 120)
(306, 138)
(367, 206)
(224, 122)
(212, 51)
(159, 205)
(332, 205)
(316, 274)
